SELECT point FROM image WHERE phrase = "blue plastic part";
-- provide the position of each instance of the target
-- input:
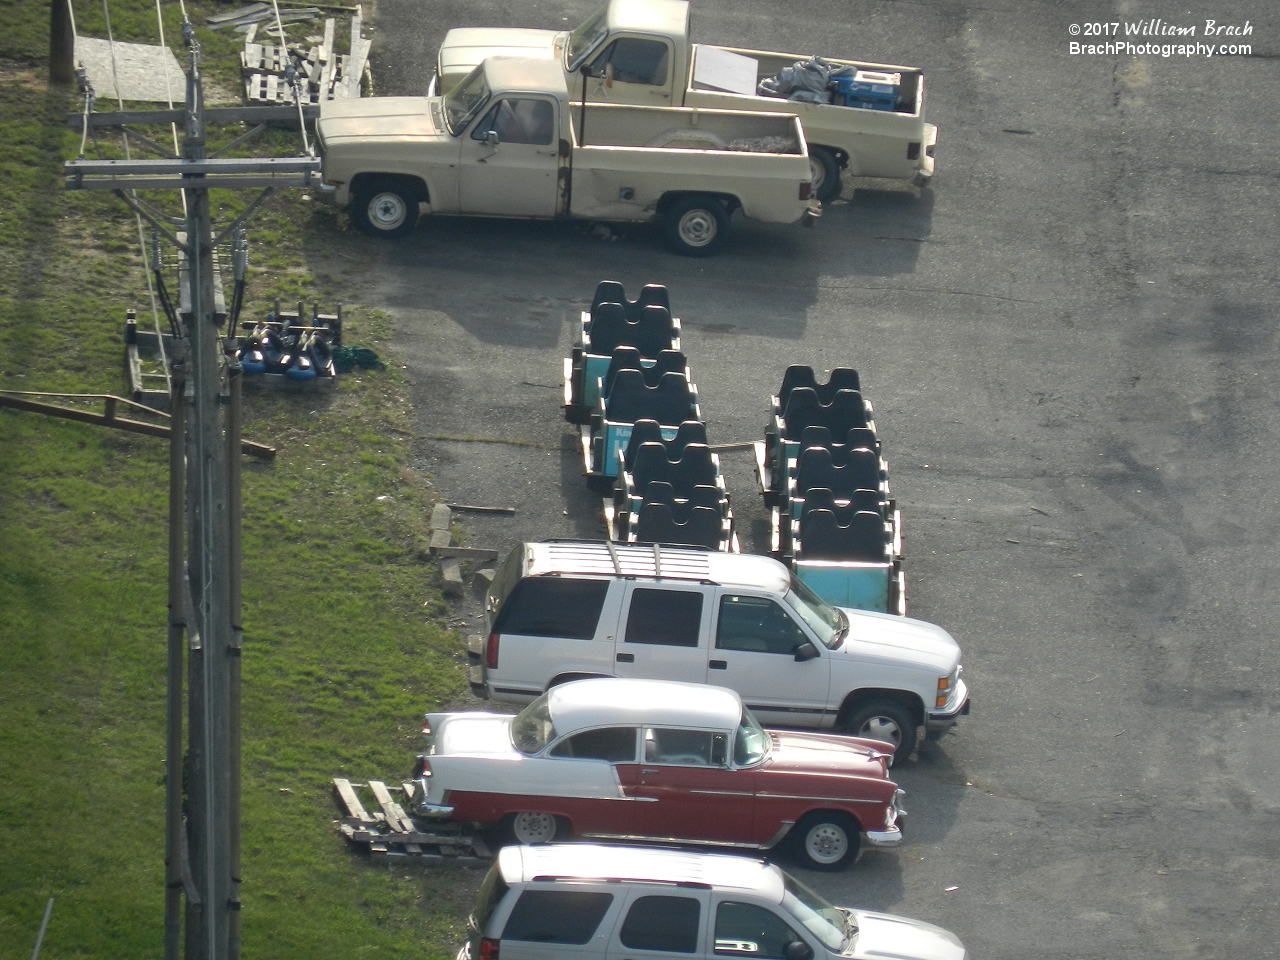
(859, 586)
(298, 373)
(616, 436)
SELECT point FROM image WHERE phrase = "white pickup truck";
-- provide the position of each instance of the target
(638, 51)
(506, 142)
(565, 610)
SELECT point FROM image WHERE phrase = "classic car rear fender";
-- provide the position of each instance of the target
(856, 698)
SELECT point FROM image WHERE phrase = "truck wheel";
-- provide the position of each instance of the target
(528, 828)
(826, 840)
(696, 226)
(385, 208)
(885, 720)
(824, 170)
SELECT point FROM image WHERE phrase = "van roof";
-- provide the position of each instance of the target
(588, 861)
(620, 700)
(594, 558)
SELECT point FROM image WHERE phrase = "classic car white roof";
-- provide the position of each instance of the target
(669, 17)
(615, 700)
(672, 563)
(525, 75)
(585, 861)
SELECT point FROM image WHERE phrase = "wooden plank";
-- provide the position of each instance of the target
(395, 816)
(350, 800)
(327, 59)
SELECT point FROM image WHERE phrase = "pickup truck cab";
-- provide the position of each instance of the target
(504, 142)
(639, 52)
(566, 610)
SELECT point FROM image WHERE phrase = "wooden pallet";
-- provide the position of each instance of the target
(389, 833)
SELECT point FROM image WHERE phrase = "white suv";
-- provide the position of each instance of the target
(565, 610)
(586, 902)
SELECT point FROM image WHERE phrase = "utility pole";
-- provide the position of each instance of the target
(202, 854)
(62, 44)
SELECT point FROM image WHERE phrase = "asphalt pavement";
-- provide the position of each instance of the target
(1069, 340)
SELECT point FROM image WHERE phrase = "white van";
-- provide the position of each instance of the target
(588, 902)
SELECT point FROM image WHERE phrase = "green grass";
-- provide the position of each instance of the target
(347, 640)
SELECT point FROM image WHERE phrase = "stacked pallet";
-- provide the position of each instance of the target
(321, 72)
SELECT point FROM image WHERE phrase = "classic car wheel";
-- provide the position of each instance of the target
(824, 169)
(827, 841)
(533, 827)
(885, 720)
(385, 208)
(696, 226)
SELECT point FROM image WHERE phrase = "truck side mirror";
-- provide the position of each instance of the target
(805, 651)
(797, 950)
(491, 138)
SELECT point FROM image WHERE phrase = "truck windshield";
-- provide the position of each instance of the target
(586, 38)
(532, 729)
(465, 100)
(751, 742)
(817, 916)
(826, 621)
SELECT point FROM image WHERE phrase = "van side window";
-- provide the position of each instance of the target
(687, 748)
(518, 121)
(553, 607)
(662, 923)
(757, 624)
(614, 744)
(668, 617)
(634, 61)
(747, 930)
(556, 916)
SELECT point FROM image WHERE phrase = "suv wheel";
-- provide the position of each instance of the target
(885, 720)
(827, 840)
(533, 827)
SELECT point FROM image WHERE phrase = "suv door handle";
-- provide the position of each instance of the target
(626, 658)
(718, 664)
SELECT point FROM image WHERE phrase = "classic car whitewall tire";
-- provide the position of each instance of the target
(534, 827)
(827, 841)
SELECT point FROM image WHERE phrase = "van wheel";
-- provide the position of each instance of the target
(826, 840)
(385, 208)
(885, 720)
(696, 226)
(534, 827)
(824, 172)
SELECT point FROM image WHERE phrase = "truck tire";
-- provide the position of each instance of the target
(825, 173)
(826, 840)
(886, 720)
(385, 208)
(696, 225)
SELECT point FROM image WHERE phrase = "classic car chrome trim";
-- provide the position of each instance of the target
(433, 810)
(884, 838)
(704, 843)
(789, 796)
(777, 837)
(725, 793)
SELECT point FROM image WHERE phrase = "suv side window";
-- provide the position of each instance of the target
(556, 916)
(553, 607)
(757, 624)
(747, 930)
(686, 748)
(662, 923)
(634, 61)
(614, 744)
(672, 618)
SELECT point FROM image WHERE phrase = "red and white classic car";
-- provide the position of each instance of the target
(658, 760)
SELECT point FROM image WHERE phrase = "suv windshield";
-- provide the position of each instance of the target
(532, 730)
(820, 918)
(465, 100)
(826, 621)
(586, 38)
(751, 742)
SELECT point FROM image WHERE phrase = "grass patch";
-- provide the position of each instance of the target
(347, 641)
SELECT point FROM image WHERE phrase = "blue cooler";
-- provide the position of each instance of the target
(869, 90)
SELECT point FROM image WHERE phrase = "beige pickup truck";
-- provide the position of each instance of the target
(507, 142)
(638, 51)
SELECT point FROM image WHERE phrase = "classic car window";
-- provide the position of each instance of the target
(634, 61)
(669, 617)
(744, 929)
(556, 916)
(828, 622)
(517, 121)
(750, 743)
(532, 730)
(553, 607)
(757, 624)
(662, 923)
(687, 748)
(465, 100)
(817, 916)
(614, 744)
(586, 38)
